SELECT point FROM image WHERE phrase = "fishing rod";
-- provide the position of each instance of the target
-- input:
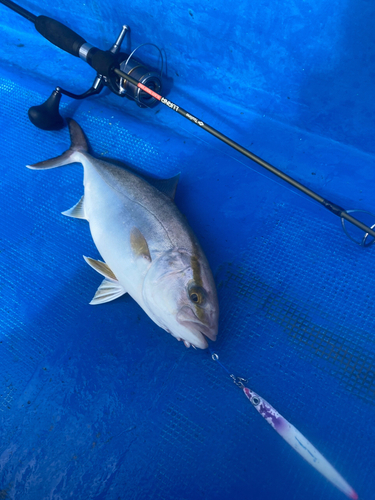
(128, 77)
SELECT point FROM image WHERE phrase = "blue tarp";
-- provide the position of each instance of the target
(98, 402)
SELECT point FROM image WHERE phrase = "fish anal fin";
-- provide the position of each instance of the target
(139, 244)
(107, 291)
(78, 211)
(102, 268)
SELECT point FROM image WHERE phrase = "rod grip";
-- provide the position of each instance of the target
(59, 34)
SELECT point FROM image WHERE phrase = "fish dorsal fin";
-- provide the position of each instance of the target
(78, 211)
(108, 290)
(166, 186)
(139, 244)
(102, 268)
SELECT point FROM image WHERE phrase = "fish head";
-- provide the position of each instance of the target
(180, 296)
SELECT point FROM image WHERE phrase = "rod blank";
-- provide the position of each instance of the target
(329, 205)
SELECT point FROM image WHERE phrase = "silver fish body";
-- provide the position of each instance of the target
(148, 248)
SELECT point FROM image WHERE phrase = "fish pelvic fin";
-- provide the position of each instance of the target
(78, 211)
(110, 288)
(107, 291)
(78, 145)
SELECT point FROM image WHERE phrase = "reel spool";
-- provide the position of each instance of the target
(140, 72)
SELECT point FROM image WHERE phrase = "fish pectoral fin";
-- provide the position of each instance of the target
(78, 211)
(139, 244)
(107, 291)
(102, 268)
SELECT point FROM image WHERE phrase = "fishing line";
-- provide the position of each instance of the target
(226, 153)
(362, 241)
(132, 79)
(281, 425)
(216, 148)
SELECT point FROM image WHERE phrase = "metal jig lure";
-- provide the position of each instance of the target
(291, 435)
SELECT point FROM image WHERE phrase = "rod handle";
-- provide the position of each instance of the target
(103, 61)
(59, 34)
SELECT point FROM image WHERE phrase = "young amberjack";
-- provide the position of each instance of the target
(148, 248)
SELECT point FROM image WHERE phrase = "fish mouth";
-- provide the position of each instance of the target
(209, 332)
(187, 318)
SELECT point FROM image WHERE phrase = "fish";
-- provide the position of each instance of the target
(148, 248)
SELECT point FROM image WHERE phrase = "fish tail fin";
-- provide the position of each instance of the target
(78, 145)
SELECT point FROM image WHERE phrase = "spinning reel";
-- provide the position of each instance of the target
(47, 117)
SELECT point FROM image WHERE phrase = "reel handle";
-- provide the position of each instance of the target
(46, 116)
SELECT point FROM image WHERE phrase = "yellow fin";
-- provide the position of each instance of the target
(101, 267)
(139, 244)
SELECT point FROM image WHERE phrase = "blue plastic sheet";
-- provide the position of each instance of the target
(98, 402)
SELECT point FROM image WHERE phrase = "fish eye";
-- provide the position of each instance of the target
(196, 295)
